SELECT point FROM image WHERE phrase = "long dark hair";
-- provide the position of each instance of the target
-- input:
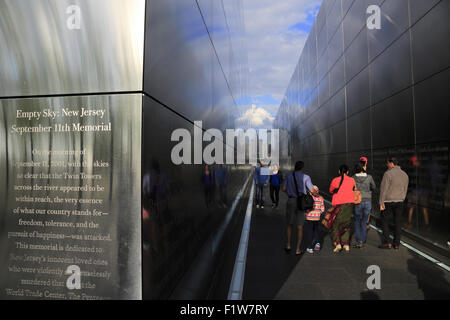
(343, 169)
(359, 168)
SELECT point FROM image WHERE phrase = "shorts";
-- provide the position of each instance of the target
(417, 199)
(293, 215)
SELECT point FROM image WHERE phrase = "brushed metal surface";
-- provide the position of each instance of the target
(40, 55)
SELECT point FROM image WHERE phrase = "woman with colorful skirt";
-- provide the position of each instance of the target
(342, 188)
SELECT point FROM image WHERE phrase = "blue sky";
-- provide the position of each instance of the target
(276, 34)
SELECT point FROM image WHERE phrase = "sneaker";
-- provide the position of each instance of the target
(358, 245)
(262, 207)
(310, 250)
(317, 247)
(257, 206)
(337, 248)
(347, 248)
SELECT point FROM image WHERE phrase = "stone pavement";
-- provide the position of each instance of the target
(273, 274)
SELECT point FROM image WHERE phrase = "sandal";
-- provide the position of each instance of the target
(297, 253)
(337, 248)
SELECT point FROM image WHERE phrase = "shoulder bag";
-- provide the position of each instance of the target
(304, 201)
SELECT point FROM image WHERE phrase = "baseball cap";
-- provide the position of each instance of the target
(363, 159)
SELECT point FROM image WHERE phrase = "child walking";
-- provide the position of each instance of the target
(312, 222)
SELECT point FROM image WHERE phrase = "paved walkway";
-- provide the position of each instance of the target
(273, 274)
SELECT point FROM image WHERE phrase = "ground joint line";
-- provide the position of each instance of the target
(237, 280)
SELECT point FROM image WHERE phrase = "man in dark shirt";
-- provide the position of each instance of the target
(293, 215)
(261, 178)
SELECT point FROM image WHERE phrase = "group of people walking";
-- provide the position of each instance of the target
(351, 198)
(264, 177)
(212, 178)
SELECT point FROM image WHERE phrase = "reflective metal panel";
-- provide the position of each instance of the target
(178, 66)
(394, 21)
(72, 197)
(338, 138)
(431, 50)
(419, 8)
(334, 19)
(393, 121)
(354, 21)
(359, 131)
(391, 71)
(358, 94)
(335, 48)
(337, 79)
(322, 42)
(42, 53)
(324, 90)
(356, 55)
(432, 101)
(179, 208)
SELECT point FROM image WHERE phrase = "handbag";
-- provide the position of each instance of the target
(304, 201)
(329, 217)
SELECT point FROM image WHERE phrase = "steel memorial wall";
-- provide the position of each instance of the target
(91, 206)
(377, 92)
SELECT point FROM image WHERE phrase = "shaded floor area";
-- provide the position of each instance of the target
(273, 274)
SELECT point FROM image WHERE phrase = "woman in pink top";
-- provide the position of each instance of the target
(342, 188)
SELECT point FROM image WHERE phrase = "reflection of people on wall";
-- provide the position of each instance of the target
(208, 185)
(154, 203)
(275, 181)
(148, 217)
(437, 183)
(222, 180)
(418, 194)
(447, 194)
(447, 201)
(159, 191)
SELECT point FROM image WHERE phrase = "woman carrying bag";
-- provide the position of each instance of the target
(343, 190)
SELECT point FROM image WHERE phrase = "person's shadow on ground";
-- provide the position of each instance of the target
(369, 295)
(430, 279)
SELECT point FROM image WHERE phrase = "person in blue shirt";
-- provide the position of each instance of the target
(208, 185)
(293, 215)
(275, 183)
(261, 178)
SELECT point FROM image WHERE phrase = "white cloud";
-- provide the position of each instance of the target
(274, 48)
(256, 118)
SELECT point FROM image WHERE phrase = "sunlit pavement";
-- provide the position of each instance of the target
(271, 273)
